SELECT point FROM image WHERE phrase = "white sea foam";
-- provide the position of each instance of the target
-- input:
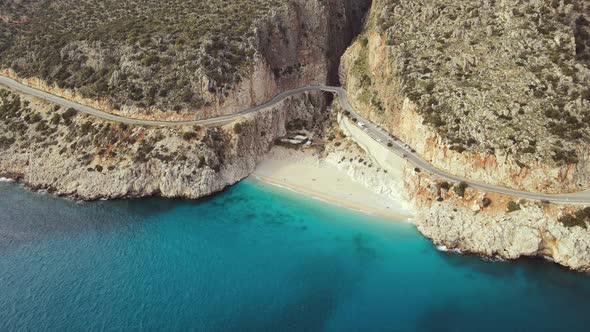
(6, 180)
(445, 249)
(494, 259)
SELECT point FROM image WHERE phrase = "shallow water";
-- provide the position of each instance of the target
(256, 258)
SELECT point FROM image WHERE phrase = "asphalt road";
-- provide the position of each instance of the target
(370, 128)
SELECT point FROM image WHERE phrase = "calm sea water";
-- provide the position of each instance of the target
(255, 258)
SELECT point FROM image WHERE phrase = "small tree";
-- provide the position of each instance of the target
(238, 128)
(189, 135)
(68, 114)
(55, 119)
(460, 188)
(571, 221)
(512, 206)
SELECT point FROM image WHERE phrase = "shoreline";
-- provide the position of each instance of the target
(397, 216)
(308, 175)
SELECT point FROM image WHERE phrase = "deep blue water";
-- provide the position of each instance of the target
(255, 258)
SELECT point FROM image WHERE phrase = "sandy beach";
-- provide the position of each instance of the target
(304, 172)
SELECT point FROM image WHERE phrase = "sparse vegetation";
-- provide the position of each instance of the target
(97, 145)
(238, 128)
(473, 50)
(144, 53)
(460, 188)
(581, 218)
(512, 207)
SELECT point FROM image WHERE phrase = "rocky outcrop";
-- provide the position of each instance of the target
(99, 160)
(494, 225)
(465, 219)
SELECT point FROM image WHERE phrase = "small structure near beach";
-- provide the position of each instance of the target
(295, 139)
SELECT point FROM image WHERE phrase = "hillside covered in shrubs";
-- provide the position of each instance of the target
(147, 53)
(508, 77)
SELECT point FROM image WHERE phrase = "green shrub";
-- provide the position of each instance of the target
(574, 220)
(189, 135)
(580, 218)
(41, 126)
(460, 188)
(513, 206)
(55, 119)
(238, 128)
(68, 115)
(86, 128)
(364, 41)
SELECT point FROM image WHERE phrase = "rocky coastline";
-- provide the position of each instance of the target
(92, 159)
(89, 159)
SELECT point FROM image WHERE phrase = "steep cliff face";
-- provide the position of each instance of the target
(285, 44)
(91, 159)
(452, 81)
(302, 44)
(495, 225)
(476, 103)
(299, 44)
(462, 218)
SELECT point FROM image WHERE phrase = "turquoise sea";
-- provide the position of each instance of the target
(257, 258)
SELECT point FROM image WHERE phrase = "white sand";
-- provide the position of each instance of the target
(305, 173)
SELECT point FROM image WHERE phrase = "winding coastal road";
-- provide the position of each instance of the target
(374, 131)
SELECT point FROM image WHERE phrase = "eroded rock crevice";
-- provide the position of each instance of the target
(340, 39)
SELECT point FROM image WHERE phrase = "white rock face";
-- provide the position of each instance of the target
(534, 230)
(199, 168)
(463, 223)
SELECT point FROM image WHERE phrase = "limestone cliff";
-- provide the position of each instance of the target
(451, 79)
(495, 225)
(290, 44)
(87, 158)
(458, 217)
